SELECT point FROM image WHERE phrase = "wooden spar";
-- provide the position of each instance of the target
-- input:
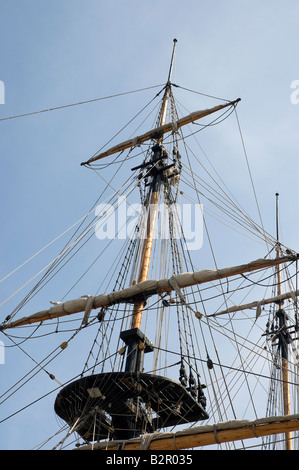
(159, 131)
(146, 289)
(199, 436)
(256, 303)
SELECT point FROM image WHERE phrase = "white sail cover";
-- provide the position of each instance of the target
(146, 288)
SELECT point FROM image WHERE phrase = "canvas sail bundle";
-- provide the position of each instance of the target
(143, 289)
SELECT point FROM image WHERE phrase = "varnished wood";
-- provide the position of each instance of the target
(146, 256)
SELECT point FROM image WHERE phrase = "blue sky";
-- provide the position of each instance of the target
(55, 53)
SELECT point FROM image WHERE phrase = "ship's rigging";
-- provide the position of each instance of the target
(162, 302)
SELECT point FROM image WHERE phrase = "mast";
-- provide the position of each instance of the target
(153, 207)
(282, 341)
(136, 341)
(205, 435)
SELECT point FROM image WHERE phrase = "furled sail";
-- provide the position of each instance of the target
(258, 303)
(144, 290)
(204, 435)
(159, 131)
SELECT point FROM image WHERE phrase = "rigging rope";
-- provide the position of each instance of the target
(78, 103)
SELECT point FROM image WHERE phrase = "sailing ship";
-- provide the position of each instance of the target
(178, 354)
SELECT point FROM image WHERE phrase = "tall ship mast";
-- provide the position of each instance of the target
(170, 360)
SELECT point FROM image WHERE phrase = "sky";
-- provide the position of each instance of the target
(55, 53)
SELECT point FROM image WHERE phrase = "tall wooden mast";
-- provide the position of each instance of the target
(283, 345)
(137, 343)
(153, 206)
